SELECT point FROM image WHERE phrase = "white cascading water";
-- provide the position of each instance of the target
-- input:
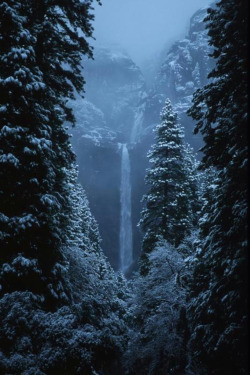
(137, 126)
(126, 247)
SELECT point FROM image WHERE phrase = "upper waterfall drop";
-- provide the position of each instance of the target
(137, 126)
(126, 243)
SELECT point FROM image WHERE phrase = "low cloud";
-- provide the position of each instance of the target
(143, 27)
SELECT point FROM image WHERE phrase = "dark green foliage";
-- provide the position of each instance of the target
(85, 336)
(218, 311)
(61, 309)
(41, 51)
(158, 335)
(170, 208)
(71, 340)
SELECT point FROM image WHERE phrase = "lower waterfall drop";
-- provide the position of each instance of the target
(126, 246)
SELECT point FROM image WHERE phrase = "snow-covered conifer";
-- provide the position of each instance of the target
(218, 311)
(41, 50)
(158, 335)
(169, 202)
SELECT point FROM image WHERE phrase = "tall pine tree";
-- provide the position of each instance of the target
(158, 337)
(169, 203)
(157, 334)
(218, 311)
(41, 49)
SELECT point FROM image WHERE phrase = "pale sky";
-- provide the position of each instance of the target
(143, 27)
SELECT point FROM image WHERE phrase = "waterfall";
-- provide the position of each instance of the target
(137, 125)
(126, 247)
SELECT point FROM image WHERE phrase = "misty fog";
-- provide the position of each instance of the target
(123, 194)
(143, 27)
(145, 51)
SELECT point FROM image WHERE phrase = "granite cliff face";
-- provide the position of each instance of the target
(186, 64)
(116, 86)
(120, 108)
(109, 114)
(184, 69)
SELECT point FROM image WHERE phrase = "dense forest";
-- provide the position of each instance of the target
(63, 307)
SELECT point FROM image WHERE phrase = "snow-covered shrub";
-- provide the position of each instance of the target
(157, 337)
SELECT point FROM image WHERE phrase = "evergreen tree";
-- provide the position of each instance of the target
(218, 311)
(84, 336)
(41, 51)
(169, 202)
(61, 309)
(99, 295)
(158, 335)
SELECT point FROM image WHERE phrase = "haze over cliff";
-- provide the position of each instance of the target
(122, 105)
